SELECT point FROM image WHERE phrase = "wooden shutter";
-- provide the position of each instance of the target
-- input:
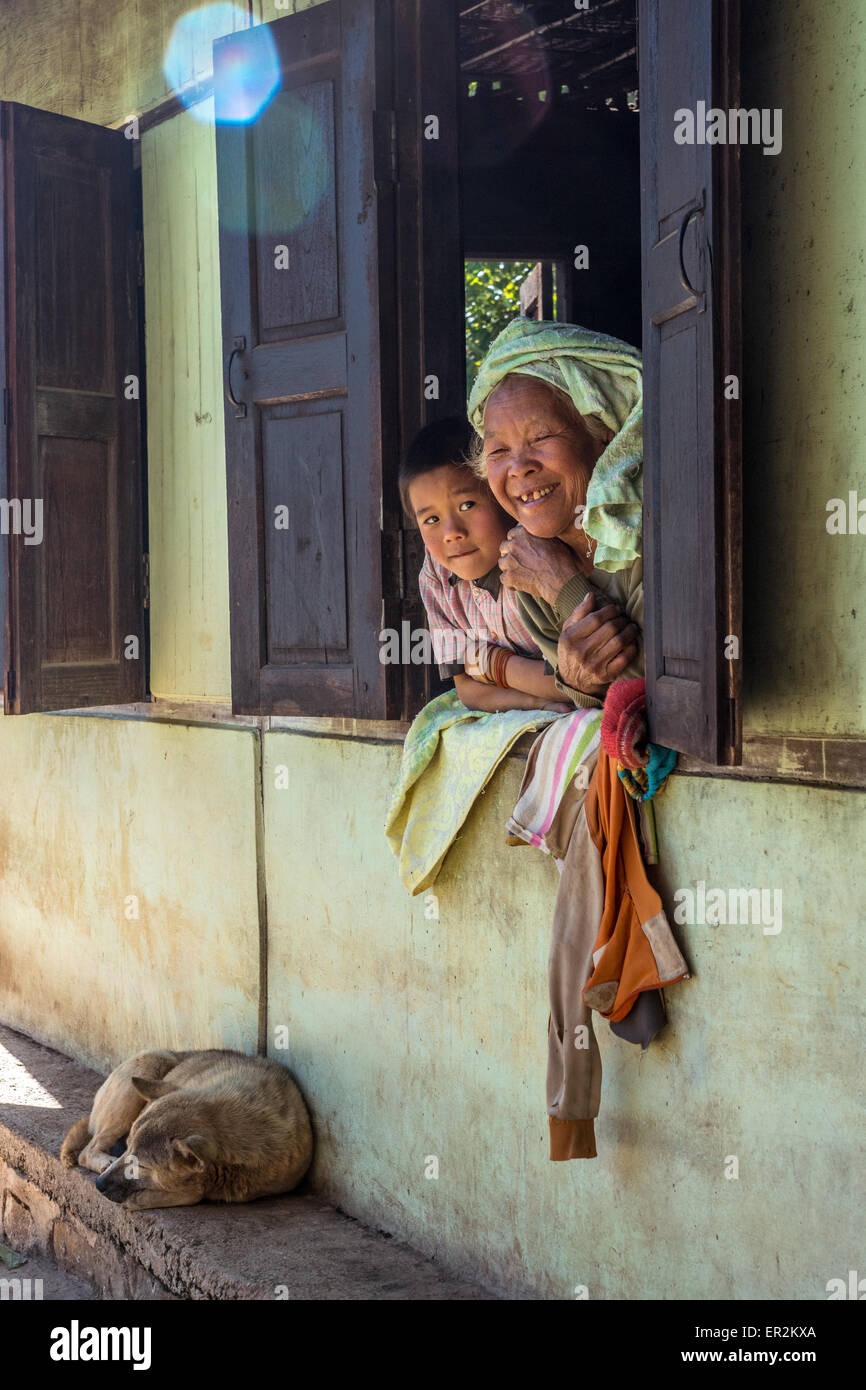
(689, 53)
(303, 363)
(72, 435)
(326, 360)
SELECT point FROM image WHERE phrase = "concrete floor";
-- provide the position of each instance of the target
(56, 1285)
(292, 1247)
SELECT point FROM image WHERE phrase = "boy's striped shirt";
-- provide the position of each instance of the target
(462, 612)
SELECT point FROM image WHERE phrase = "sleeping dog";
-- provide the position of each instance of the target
(202, 1126)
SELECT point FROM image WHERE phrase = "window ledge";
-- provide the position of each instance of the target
(835, 763)
(371, 730)
(218, 714)
(212, 713)
(838, 763)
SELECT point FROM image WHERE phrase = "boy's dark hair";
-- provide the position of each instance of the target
(444, 443)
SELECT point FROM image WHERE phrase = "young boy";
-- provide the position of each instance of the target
(475, 623)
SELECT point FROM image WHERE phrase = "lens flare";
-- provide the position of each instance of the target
(244, 82)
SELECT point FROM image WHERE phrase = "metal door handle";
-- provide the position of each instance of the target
(240, 409)
(684, 276)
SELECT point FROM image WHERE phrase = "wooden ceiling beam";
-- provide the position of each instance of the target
(469, 64)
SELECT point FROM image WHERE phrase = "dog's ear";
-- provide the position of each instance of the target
(152, 1090)
(191, 1151)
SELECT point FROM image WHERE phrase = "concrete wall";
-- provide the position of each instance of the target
(99, 60)
(417, 1036)
(189, 573)
(804, 303)
(97, 811)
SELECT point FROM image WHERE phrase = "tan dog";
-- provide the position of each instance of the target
(202, 1126)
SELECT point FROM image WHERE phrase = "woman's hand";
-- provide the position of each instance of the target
(595, 646)
(534, 564)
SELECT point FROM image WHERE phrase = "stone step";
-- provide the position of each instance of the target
(292, 1247)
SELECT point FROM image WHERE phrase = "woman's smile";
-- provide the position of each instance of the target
(537, 495)
(539, 456)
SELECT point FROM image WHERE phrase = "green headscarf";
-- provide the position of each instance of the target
(604, 377)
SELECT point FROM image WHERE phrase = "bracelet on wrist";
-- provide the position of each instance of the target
(497, 667)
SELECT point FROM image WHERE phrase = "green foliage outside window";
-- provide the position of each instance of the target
(492, 301)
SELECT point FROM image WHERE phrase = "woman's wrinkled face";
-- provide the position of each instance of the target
(539, 459)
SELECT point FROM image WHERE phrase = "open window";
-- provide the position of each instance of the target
(71, 579)
(446, 131)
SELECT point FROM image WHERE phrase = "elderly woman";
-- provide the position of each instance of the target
(559, 414)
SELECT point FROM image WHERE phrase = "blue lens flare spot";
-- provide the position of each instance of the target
(243, 82)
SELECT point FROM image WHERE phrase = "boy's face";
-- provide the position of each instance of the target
(460, 523)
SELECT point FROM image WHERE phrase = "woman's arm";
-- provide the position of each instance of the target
(565, 639)
(492, 698)
(596, 646)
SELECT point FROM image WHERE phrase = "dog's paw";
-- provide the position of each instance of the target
(97, 1162)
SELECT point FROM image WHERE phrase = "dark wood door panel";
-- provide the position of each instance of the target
(299, 260)
(74, 618)
(689, 52)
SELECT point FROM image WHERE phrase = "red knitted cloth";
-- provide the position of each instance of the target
(623, 723)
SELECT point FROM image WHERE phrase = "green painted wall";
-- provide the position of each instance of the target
(190, 652)
(414, 1035)
(417, 1037)
(107, 808)
(804, 303)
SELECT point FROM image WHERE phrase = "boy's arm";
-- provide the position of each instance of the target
(527, 674)
(492, 698)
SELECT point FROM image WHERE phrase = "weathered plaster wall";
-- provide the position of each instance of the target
(804, 303)
(99, 60)
(416, 1037)
(189, 607)
(99, 809)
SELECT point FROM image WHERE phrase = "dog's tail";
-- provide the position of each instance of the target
(75, 1142)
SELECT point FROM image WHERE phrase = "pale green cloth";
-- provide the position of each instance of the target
(604, 377)
(449, 756)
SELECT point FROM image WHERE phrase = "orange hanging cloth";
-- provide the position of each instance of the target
(635, 948)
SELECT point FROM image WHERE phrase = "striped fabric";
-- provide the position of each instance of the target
(562, 757)
(463, 611)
